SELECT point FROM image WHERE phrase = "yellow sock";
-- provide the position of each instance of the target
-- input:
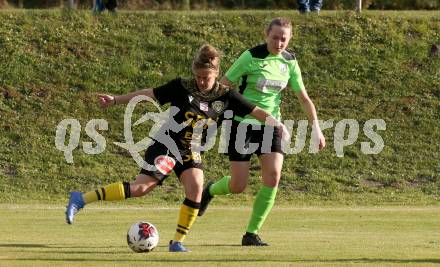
(187, 216)
(116, 191)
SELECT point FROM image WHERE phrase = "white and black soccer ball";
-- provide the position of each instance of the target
(142, 237)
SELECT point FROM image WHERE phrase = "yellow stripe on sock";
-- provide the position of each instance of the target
(110, 192)
(187, 216)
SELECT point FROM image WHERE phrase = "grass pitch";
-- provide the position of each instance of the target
(36, 235)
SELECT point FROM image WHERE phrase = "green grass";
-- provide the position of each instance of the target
(36, 235)
(355, 67)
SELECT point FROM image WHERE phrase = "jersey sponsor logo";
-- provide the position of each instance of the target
(266, 85)
(283, 68)
(164, 164)
(190, 98)
(204, 106)
(264, 65)
(218, 106)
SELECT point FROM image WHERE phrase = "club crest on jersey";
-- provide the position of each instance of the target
(203, 106)
(283, 68)
(190, 98)
(218, 106)
(164, 164)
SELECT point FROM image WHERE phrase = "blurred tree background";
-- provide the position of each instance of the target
(228, 4)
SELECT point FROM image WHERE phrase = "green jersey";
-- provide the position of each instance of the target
(262, 76)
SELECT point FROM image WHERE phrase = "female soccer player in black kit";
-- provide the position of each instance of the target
(198, 98)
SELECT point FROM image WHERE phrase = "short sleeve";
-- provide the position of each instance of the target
(295, 80)
(168, 92)
(239, 105)
(239, 68)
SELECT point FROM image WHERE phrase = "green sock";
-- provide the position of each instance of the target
(262, 205)
(221, 187)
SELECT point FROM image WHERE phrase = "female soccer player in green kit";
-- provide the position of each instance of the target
(263, 72)
(198, 98)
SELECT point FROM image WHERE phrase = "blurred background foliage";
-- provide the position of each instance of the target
(229, 4)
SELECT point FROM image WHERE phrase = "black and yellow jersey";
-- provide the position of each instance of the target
(194, 105)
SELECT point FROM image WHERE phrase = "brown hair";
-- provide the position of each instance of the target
(282, 22)
(207, 58)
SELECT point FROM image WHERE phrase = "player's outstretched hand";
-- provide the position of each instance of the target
(106, 100)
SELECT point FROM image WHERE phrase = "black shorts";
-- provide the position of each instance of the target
(256, 137)
(164, 162)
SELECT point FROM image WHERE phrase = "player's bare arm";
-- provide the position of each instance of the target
(268, 119)
(109, 100)
(309, 109)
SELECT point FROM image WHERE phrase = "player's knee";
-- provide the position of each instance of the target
(198, 190)
(272, 178)
(271, 183)
(193, 191)
(196, 186)
(237, 188)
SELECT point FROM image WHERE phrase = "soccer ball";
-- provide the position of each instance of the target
(142, 237)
